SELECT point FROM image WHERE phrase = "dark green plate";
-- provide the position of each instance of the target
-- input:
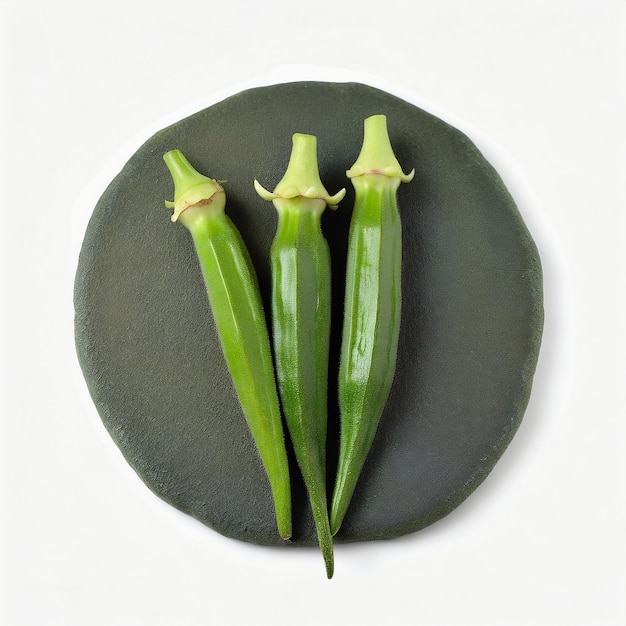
(471, 319)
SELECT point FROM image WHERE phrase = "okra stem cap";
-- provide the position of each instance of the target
(376, 156)
(190, 187)
(302, 178)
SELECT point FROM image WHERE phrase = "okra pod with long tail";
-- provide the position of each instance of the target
(372, 307)
(235, 300)
(300, 264)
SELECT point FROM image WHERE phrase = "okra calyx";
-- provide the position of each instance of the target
(302, 178)
(377, 156)
(191, 189)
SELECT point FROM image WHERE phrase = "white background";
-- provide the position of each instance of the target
(539, 86)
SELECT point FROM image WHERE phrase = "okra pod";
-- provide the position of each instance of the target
(235, 301)
(300, 266)
(372, 307)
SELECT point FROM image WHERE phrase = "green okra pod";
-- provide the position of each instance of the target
(300, 265)
(372, 307)
(235, 301)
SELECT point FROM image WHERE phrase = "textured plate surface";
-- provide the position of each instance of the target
(471, 321)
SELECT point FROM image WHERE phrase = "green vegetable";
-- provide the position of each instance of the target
(372, 307)
(300, 263)
(236, 304)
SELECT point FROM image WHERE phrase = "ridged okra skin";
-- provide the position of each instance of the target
(372, 308)
(236, 304)
(300, 266)
(300, 263)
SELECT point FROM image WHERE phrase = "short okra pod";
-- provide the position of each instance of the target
(372, 307)
(300, 265)
(235, 301)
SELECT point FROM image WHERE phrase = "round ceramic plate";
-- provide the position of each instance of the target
(471, 318)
